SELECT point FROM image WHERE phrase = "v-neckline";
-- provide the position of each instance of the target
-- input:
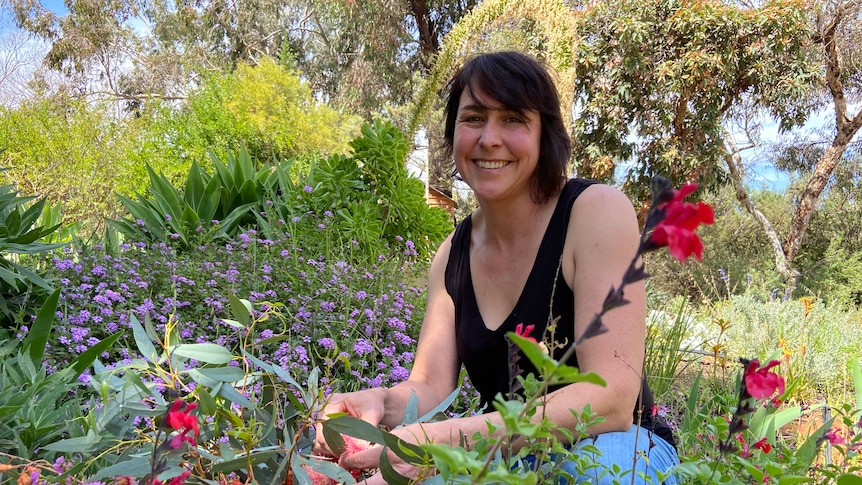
(503, 327)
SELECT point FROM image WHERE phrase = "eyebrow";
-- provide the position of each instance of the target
(479, 107)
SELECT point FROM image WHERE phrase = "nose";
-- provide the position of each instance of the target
(490, 135)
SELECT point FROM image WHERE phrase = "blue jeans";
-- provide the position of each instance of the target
(608, 459)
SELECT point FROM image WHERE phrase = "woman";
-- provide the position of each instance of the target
(536, 242)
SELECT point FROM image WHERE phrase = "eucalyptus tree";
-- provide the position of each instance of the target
(360, 55)
(659, 84)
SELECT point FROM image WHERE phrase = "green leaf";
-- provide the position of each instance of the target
(37, 337)
(242, 462)
(82, 444)
(808, 451)
(85, 360)
(137, 466)
(206, 352)
(208, 204)
(847, 479)
(142, 340)
(207, 402)
(220, 374)
(551, 370)
(363, 430)
(389, 474)
(190, 219)
(228, 392)
(241, 310)
(793, 479)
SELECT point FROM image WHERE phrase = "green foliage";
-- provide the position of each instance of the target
(817, 339)
(369, 197)
(737, 256)
(71, 153)
(658, 79)
(668, 341)
(265, 108)
(830, 259)
(22, 235)
(36, 405)
(210, 206)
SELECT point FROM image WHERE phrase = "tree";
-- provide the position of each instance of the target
(359, 55)
(19, 57)
(660, 82)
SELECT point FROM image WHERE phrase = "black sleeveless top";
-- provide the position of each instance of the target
(484, 352)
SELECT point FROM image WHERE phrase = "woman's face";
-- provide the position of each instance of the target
(496, 149)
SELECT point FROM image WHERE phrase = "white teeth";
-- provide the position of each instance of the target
(491, 163)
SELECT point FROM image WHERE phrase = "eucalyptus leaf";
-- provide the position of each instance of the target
(82, 444)
(206, 352)
(223, 374)
(142, 340)
(137, 466)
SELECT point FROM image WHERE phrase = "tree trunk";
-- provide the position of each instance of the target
(846, 128)
(811, 194)
(782, 264)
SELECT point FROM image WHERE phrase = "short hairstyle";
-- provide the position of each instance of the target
(520, 83)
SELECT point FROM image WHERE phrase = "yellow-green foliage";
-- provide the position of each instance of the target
(265, 108)
(68, 152)
(275, 104)
(81, 154)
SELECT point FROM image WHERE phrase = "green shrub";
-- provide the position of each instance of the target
(20, 235)
(816, 340)
(265, 108)
(369, 197)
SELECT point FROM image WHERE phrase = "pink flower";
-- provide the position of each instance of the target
(835, 437)
(525, 331)
(761, 383)
(353, 446)
(681, 219)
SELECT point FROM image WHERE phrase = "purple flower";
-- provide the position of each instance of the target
(307, 189)
(399, 374)
(362, 347)
(327, 343)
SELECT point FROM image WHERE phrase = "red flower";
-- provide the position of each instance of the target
(761, 383)
(763, 446)
(681, 219)
(179, 418)
(522, 331)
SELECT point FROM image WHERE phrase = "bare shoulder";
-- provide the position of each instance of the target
(603, 204)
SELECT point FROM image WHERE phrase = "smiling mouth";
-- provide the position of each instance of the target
(491, 164)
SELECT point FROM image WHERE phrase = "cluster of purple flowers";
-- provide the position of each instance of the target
(327, 311)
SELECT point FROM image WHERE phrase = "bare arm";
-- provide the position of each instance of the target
(436, 367)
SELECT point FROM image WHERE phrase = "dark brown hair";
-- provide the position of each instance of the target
(520, 83)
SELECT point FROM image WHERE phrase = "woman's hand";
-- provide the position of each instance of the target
(367, 405)
(370, 458)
